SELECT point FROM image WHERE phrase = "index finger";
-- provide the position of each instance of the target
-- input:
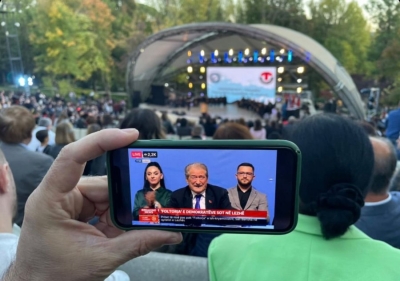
(67, 169)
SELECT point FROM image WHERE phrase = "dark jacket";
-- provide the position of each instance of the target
(216, 198)
(28, 168)
(54, 150)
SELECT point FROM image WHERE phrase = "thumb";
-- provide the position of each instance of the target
(132, 244)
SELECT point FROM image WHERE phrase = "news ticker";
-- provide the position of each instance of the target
(195, 216)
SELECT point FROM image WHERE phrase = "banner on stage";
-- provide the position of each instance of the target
(236, 83)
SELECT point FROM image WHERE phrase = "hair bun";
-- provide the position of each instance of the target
(339, 208)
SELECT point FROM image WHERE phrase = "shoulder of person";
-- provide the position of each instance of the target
(38, 157)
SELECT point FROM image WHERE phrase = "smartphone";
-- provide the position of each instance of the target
(216, 186)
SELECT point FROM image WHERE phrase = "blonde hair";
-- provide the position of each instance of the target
(64, 133)
(16, 124)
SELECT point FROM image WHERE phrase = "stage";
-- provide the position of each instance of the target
(230, 111)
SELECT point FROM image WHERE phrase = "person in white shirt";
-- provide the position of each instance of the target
(258, 132)
(43, 124)
(56, 241)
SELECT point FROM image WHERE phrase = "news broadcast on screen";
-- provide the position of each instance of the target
(207, 188)
(236, 83)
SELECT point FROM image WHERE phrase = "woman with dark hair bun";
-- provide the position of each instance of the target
(154, 194)
(337, 165)
(146, 122)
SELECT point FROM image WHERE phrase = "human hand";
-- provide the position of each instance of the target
(150, 197)
(56, 242)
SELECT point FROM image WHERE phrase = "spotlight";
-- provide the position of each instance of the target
(190, 85)
(202, 53)
(231, 52)
(300, 69)
(299, 90)
(299, 80)
(280, 89)
(279, 79)
(216, 53)
(190, 69)
(203, 86)
(202, 69)
(21, 81)
(281, 69)
(282, 51)
(247, 52)
(189, 53)
(166, 85)
(264, 51)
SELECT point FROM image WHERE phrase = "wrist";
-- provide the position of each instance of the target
(15, 273)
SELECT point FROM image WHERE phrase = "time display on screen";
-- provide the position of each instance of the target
(150, 154)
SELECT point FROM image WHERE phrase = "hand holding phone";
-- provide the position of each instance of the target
(206, 186)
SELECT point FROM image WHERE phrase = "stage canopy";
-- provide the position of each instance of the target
(164, 53)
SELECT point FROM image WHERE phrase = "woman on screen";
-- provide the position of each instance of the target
(154, 195)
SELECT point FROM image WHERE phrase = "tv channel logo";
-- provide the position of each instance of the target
(145, 161)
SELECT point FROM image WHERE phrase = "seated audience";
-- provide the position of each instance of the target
(380, 217)
(275, 136)
(146, 122)
(43, 137)
(183, 128)
(64, 136)
(337, 164)
(29, 167)
(258, 132)
(167, 125)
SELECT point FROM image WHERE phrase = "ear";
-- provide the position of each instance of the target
(4, 179)
(162, 176)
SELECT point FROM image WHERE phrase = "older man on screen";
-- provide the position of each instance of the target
(244, 196)
(199, 194)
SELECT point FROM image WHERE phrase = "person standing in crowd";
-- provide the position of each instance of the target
(64, 136)
(258, 132)
(380, 217)
(393, 125)
(146, 122)
(154, 193)
(29, 167)
(232, 131)
(43, 137)
(43, 124)
(331, 198)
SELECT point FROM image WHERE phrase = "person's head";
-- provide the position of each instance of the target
(197, 131)
(91, 120)
(92, 128)
(16, 125)
(197, 177)
(106, 120)
(64, 133)
(292, 120)
(146, 122)
(45, 122)
(241, 121)
(8, 195)
(184, 122)
(164, 116)
(337, 164)
(368, 128)
(385, 165)
(275, 136)
(257, 125)
(232, 131)
(43, 137)
(245, 175)
(153, 176)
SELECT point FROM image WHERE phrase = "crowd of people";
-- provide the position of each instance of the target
(349, 203)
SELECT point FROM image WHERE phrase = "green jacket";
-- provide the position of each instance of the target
(303, 255)
(162, 196)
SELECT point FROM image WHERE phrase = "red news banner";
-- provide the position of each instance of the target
(194, 216)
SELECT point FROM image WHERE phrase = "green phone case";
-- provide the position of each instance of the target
(212, 144)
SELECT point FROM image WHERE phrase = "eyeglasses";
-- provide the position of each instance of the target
(197, 177)
(247, 174)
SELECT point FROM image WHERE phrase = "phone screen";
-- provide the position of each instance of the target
(191, 188)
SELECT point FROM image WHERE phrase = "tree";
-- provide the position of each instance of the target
(343, 30)
(73, 41)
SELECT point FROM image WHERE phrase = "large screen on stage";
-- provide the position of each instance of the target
(235, 83)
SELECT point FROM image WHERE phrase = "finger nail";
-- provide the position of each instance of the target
(175, 238)
(130, 131)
